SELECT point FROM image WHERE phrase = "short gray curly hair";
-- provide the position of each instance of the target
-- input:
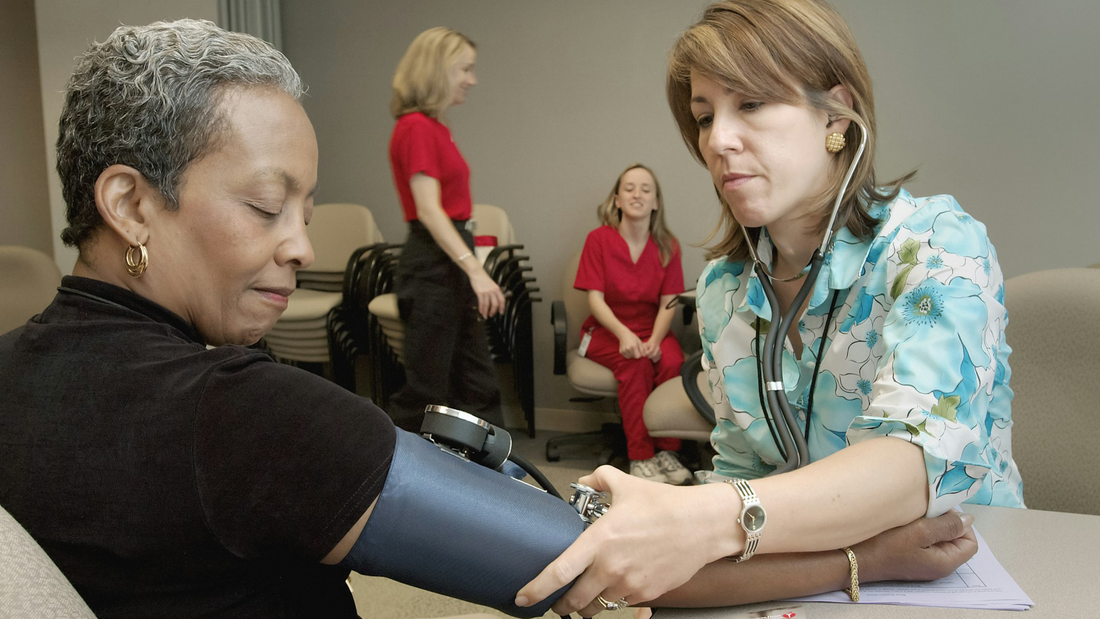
(149, 97)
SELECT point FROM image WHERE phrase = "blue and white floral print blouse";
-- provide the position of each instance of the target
(916, 350)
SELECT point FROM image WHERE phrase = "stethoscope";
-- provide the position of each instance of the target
(791, 443)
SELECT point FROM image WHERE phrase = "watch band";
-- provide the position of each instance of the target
(752, 518)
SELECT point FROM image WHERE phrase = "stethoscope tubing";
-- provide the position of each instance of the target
(792, 444)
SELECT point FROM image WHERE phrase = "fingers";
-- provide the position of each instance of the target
(602, 478)
(952, 544)
(498, 302)
(559, 573)
(596, 606)
(490, 303)
(581, 598)
(945, 527)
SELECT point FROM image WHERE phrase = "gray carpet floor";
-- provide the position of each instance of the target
(385, 599)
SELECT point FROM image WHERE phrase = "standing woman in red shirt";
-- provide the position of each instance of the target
(441, 287)
(631, 268)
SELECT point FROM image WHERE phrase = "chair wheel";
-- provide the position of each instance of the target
(552, 453)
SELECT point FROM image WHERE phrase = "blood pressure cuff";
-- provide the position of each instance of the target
(454, 527)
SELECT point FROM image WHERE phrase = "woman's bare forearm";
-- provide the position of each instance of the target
(765, 577)
(663, 322)
(604, 315)
(430, 213)
(845, 498)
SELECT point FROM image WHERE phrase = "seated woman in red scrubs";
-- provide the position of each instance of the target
(630, 267)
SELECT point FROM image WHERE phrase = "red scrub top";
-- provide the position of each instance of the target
(423, 144)
(632, 290)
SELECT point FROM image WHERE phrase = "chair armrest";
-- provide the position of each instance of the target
(687, 300)
(688, 372)
(561, 329)
(501, 256)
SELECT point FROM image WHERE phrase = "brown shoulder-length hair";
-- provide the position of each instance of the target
(784, 51)
(611, 215)
(420, 83)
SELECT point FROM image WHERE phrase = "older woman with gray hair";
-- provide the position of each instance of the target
(170, 478)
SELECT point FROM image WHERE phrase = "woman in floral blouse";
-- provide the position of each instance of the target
(896, 369)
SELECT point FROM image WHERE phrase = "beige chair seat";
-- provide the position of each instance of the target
(301, 344)
(309, 356)
(305, 353)
(669, 413)
(296, 337)
(306, 304)
(589, 377)
(384, 309)
(313, 324)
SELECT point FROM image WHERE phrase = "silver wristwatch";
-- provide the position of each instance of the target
(752, 518)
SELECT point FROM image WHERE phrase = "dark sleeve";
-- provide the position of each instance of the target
(674, 273)
(590, 271)
(286, 461)
(415, 149)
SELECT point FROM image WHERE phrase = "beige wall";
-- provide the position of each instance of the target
(992, 100)
(65, 29)
(25, 207)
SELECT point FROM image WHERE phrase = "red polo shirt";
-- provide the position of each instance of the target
(423, 144)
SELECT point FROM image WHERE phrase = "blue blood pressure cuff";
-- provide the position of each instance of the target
(451, 526)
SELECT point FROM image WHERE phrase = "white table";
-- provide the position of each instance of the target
(1053, 556)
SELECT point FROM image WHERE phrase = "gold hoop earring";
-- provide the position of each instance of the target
(834, 142)
(135, 269)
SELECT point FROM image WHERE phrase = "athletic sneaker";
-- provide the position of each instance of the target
(670, 465)
(648, 470)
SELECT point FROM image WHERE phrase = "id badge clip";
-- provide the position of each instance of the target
(585, 340)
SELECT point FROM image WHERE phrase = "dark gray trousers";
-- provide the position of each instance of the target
(447, 358)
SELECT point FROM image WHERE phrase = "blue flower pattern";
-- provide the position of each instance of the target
(916, 351)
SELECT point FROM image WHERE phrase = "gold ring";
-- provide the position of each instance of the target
(619, 605)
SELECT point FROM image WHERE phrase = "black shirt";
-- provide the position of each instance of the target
(166, 479)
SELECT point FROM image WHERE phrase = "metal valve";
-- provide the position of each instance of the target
(589, 503)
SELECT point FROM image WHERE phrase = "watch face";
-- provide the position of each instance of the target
(754, 518)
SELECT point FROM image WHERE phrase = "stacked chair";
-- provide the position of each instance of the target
(510, 333)
(355, 332)
(336, 232)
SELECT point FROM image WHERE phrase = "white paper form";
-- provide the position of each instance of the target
(981, 582)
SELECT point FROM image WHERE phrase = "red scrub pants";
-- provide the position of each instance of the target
(637, 379)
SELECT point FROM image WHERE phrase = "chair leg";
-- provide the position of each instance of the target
(607, 444)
